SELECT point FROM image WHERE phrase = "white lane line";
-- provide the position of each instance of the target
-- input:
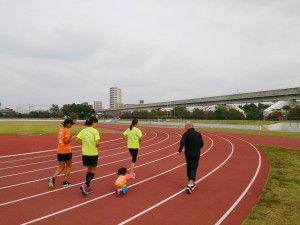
(179, 192)
(100, 197)
(47, 168)
(50, 150)
(247, 188)
(6, 203)
(102, 142)
(95, 199)
(78, 146)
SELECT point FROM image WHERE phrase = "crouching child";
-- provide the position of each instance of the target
(121, 181)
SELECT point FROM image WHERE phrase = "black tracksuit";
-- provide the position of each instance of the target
(193, 142)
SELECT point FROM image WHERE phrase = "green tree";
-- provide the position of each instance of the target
(198, 114)
(234, 114)
(82, 111)
(143, 114)
(294, 112)
(181, 112)
(157, 113)
(210, 115)
(54, 110)
(221, 112)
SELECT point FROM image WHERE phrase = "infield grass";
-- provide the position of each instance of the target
(40, 127)
(280, 200)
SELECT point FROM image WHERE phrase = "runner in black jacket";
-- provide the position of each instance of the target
(193, 142)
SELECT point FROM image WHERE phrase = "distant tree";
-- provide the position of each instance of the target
(82, 111)
(260, 108)
(135, 114)
(54, 110)
(143, 114)
(157, 113)
(20, 115)
(210, 115)
(234, 114)
(294, 112)
(198, 114)
(181, 112)
(126, 115)
(221, 112)
(73, 115)
(44, 114)
(254, 112)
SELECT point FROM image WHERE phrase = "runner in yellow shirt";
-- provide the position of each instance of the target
(133, 135)
(89, 139)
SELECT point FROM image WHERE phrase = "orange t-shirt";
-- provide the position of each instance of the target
(63, 147)
(122, 179)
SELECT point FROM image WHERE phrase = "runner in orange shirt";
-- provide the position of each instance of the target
(64, 155)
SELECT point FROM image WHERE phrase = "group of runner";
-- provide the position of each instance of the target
(89, 139)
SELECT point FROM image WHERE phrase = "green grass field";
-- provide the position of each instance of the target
(280, 200)
(39, 127)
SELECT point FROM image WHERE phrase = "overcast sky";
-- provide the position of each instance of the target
(72, 51)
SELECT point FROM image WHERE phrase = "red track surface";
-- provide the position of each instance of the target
(230, 178)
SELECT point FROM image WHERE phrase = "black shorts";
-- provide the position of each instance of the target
(64, 157)
(90, 160)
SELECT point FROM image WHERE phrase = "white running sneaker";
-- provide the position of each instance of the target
(188, 189)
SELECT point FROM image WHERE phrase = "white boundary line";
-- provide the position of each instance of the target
(50, 150)
(103, 196)
(179, 192)
(47, 168)
(247, 188)
(17, 200)
(230, 209)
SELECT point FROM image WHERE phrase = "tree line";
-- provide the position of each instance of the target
(74, 111)
(221, 112)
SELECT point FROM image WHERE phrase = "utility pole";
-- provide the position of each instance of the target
(174, 109)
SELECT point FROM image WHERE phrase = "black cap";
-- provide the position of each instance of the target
(69, 120)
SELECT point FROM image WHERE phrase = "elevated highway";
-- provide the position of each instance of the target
(251, 97)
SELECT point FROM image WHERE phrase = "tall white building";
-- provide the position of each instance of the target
(115, 97)
(98, 105)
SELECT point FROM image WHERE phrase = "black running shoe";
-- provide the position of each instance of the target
(66, 184)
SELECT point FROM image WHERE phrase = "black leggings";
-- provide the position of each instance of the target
(133, 153)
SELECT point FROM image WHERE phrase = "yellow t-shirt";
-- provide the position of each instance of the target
(89, 136)
(133, 137)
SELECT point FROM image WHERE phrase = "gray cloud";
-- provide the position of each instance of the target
(60, 52)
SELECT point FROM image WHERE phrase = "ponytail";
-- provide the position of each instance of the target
(90, 121)
(133, 123)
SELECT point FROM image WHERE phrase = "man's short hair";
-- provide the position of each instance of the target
(189, 124)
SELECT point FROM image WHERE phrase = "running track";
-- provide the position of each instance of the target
(230, 178)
